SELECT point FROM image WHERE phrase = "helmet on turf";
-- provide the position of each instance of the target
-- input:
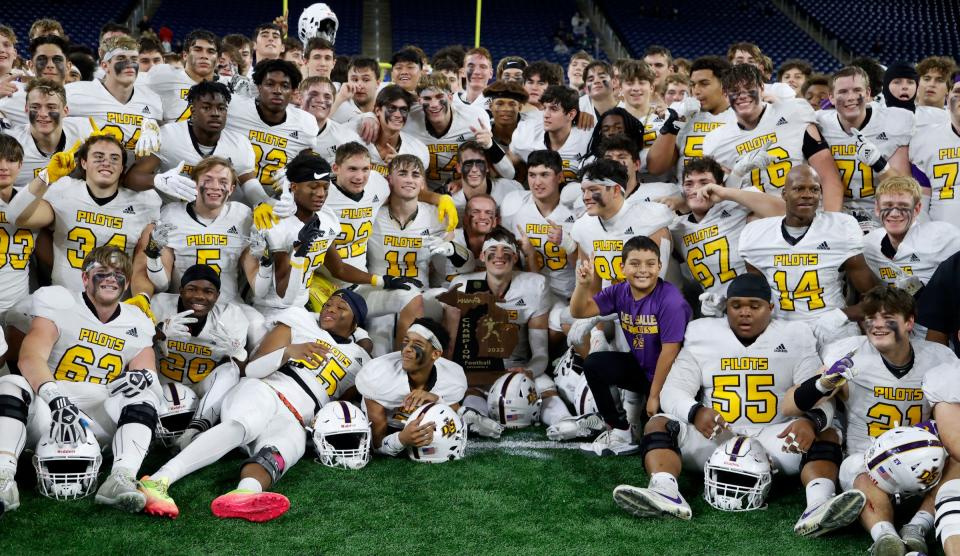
(341, 436)
(513, 401)
(179, 404)
(566, 377)
(67, 471)
(738, 475)
(318, 20)
(449, 435)
(905, 461)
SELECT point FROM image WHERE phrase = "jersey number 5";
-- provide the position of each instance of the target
(756, 403)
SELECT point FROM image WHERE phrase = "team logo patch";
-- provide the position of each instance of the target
(449, 428)
(823, 246)
(532, 396)
(782, 121)
(132, 332)
(129, 210)
(914, 258)
(780, 349)
(462, 138)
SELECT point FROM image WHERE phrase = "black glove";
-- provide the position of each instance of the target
(131, 383)
(66, 426)
(672, 125)
(400, 283)
(308, 233)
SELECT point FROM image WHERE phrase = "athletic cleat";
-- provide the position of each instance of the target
(481, 424)
(9, 495)
(249, 505)
(914, 538)
(888, 545)
(120, 491)
(611, 443)
(651, 502)
(576, 427)
(839, 511)
(158, 502)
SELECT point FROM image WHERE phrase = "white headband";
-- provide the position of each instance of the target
(491, 243)
(422, 330)
(111, 53)
(605, 181)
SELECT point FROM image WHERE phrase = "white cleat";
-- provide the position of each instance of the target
(480, 424)
(120, 491)
(9, 495)
(651, 502)
(839, 511)
(888, 545)
(576, 427)
(914, 538)
(612, 442)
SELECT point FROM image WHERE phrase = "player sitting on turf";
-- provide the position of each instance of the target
(881, 392)
(941, 392)
(728, 359)
(395, 385)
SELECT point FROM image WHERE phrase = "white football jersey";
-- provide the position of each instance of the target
(397, 250)
(940, 383)
(16, 246)
(122, 120)
(384, 381)
(273, 145)
(218, 244)
(877, 399)
(520, 210)
(332, 136)
(74, 129)
(694, 131)
(603, 240)
(928, 116)
(805, 277)
(348, 112)
(711, 247)
(746, 385)
(780, 132)
(926, 245)
(498, 188)
(888, 129)
(86, 349)
(191, 359)
(340, 367)
(81, 224)
(178, 144)
(443, 148)
(651, 130)
(172, 85)
(936, 152)
(13, 108)
(529, 136)
(356, 218)
(284, 234)
(408, 145)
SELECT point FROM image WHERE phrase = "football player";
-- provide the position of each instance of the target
(868, 143)
(638, 99)
(576, 69)
(725, 359)
(940, 391)
(477, 175)
(94, 370)
(478, 69)
(319, 55)
(406, 69)
(801, 254)
(395, 385)
(316, 97)
(267, 42)
(599, 97)
(794, 72)
(769, 139)
(480, 216)
(201, 49)
(660, 60)
(936, 153)
(392, 110)
(49, 61)
(932, 90)
(553, 129)
(358, 95)
(16, 244)
(117, 107)
(879, 378)
(708, 238)
(537, 78)
(506, 100)
(624, 150)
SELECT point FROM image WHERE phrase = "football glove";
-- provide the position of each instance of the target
(159, 238)
(837, 374)
(686, 107)
(580, 329)
(131, 382)
(179, 325)
(437, 246)
(263, 217)
(142, 301)
(712, 304)
(388, 282)
(60, 165)
(66, 422)
(759, 158)
(447, 211)
(308, 233)
(868, 153)
(149, 141)
(174, 184)
(258, 243)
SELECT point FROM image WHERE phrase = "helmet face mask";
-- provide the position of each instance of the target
(738, 476)
(179, 404)
(449, 437)
(67, 472)
(513, 401)
(905, 461)
(341, 436)
(318, 20)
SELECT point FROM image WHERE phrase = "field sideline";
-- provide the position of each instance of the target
(525, 495)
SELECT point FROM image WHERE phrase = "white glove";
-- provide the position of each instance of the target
(867, 152)
(131, 382)
(910, 284)
(438, 246)
(232, 345)
(149, 141)
(66, 422)
(161, 233)
(712, 304)
(580, 329)
(759, 158)
(177, 325)
(285, 205)
(174, 184)
(780, 91)
(258, 243)
(686, 107)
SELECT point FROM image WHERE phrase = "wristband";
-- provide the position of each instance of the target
(880, 165)
(376, 281)
(807, 394)
(568, 244)
(692, 414)
(819, 418)
(391, 445)
(49, 391)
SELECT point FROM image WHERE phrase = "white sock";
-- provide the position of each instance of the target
(819, 491)
(553, 410)
(634, 406)
(13, 435)
(477, 403)
(207, 448)
(882, 528)
(130, 445)
(250, 484)
(622, 434)
(664, 481)
(924, 520)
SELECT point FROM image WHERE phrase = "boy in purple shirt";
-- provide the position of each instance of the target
(653, 317)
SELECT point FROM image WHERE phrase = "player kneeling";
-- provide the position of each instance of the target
(941, 390)
(776, 354)
(415, 392)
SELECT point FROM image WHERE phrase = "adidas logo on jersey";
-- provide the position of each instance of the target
(376, 199)
(233, 230)
(882, 136)
(425, 233)
(629, 231)
(570, 219)
(521, 303)
(146, 109)
(914, 258)
(129, 210)
(782, 121)
(132, 332)
(462, 138)
(823, 247)
(780, 349)
(724, 214)
(294, 135)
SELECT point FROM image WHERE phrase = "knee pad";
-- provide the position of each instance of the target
(661, 440)
(270, 459)
(140, 413)
(947, 522)
(14, 408)
(16, 386)
(822, 450)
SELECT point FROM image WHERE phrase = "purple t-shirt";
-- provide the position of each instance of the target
(647, 323)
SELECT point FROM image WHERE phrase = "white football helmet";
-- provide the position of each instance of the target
(179, 404)
(65, 471)
(318, 20)
(513, 401)
(449, 436)
(341, 436)
(738, 475)
(906, 461)
(566, 377)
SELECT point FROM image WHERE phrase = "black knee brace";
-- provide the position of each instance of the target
(13, 407)
(822, 450)
(661, 440)
(269, 458)
(140, 413)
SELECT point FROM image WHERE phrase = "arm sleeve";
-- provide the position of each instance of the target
(680, 390)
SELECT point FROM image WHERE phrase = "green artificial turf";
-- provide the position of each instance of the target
(501, 499)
